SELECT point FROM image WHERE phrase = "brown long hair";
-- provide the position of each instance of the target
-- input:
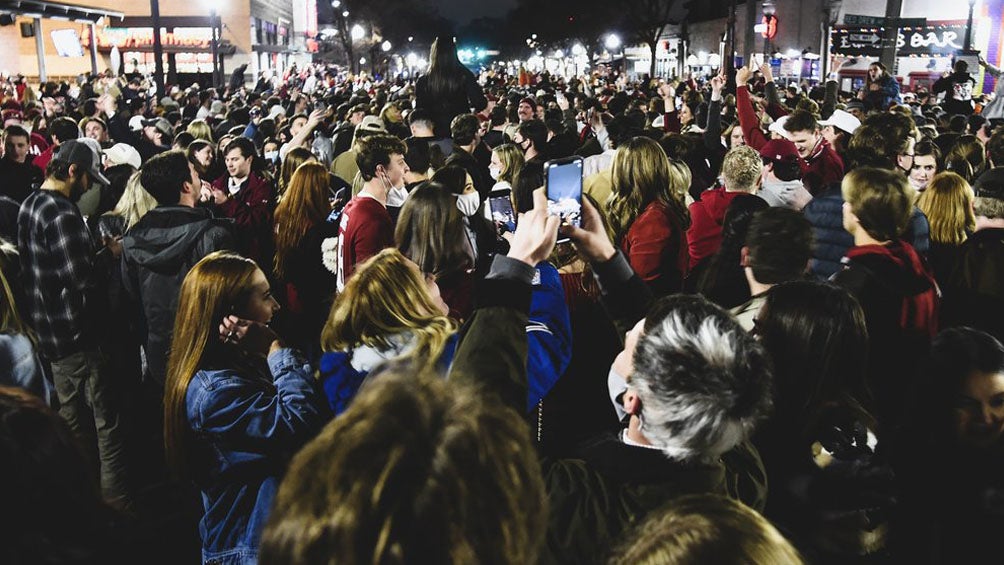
(304, 206)
(294, 158)
(641, 174)
(430, 231)
(216, 285)
(948, 205)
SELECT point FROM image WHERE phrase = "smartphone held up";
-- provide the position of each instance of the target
(563, 180)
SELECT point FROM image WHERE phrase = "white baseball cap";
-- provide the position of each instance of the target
(122, 154)
(842, 121)
(777, 126)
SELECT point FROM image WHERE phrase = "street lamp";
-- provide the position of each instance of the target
(358, 32)
(385, 46)
(612, 42)
(969, 26)
(335, 3)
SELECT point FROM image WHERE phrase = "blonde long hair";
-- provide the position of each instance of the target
(200, 130)
(512, 161)
(215, 286)
(304, 205)
(134, 203)
(948, 205)
(641, 174)
(384, 297)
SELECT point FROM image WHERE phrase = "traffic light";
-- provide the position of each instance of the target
(769, 22)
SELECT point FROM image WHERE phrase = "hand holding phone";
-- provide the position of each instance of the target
(563, 179)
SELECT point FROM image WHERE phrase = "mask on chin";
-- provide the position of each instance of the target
(396, 196)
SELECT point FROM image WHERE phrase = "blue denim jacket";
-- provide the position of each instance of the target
(246, 429)
(21, 367)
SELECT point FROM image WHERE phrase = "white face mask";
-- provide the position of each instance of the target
(391, 188)
(494, 172)
(396, 196)
(272, 156)
(468, 204)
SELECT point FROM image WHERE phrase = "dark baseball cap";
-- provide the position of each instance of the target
(79, 152)
(990, 184)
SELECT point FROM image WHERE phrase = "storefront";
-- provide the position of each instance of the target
(923, 53)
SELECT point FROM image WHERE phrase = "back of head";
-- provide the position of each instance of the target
(880, 139)
(376, 150)
(164, 176)
(639, 176)
(420, 117)
(53, 511)
(464, 128)
(446, 74)
(430, 231)
(989, 192)
(706, 528)
(417, 157)
(411, 473)
(780, 245)
(816, 334)
(702, 381)
(881, 199)
(741, 169)
(995, 148)
(948, 205)
(64, 129)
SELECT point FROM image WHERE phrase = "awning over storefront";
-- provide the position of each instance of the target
(42, 9)
(57, 10)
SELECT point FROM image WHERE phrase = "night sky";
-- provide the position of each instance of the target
(462, 11)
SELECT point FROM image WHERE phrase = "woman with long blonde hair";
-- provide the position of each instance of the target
(948, 205)
(300, 227)
(648, 215)
(237, 402)
(507, 162)
(390, 310)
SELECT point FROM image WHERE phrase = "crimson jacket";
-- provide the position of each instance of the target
(748, 121)
(822, 168)
(656, 247)
(251, 210)
(706, 216)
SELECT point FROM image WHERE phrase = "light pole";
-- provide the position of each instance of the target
(613, 41)
(969, 26)
(356, 34)
(214, 43)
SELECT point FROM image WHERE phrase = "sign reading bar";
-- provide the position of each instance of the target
(926, 40)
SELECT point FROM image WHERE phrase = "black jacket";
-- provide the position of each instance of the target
(157, 254)
(445, 107)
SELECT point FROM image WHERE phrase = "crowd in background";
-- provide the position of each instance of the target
(283, 322)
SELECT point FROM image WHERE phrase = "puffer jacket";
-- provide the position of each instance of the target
(549, 332)
(831, 241)
(157, 253)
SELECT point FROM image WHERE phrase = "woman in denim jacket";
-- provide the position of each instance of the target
(238, 403)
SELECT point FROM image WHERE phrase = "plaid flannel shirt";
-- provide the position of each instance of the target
(57, 255)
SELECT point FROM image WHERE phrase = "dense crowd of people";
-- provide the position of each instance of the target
(275, 323)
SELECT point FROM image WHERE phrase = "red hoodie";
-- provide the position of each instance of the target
(706, 216)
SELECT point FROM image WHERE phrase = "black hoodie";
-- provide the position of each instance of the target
(157, 253)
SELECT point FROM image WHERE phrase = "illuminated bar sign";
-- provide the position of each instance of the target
(936, 38)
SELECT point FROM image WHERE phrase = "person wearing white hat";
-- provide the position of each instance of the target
(838, 129)
(122, 154)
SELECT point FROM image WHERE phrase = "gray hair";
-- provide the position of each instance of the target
(703, 382)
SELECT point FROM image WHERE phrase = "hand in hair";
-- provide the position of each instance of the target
(536, 232)
(591, 240)
(254, 337)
